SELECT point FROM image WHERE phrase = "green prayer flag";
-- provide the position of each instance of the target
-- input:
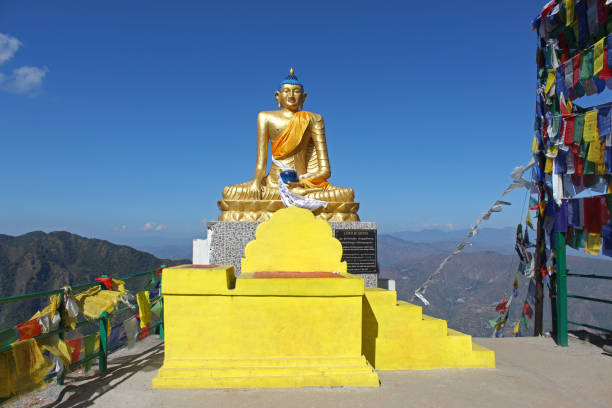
(584, 149)
(586, 65)
(493, 322)
(156, 309)
(556, 126)
(578, 128)
(90, 346)
(589, 168)
(8, 336)
(577, 238)
(525, 321)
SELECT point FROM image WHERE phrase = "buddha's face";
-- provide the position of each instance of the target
(290, 96)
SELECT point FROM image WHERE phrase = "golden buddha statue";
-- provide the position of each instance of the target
(298, 143)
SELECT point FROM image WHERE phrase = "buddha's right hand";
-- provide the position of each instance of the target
(255, 189)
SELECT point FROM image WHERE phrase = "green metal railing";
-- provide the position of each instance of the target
(561, 323)
(102, 321)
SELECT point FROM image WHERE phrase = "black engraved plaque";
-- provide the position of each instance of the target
(358, 249)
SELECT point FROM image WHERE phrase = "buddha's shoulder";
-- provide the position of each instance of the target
(316, 117)
(266, 115)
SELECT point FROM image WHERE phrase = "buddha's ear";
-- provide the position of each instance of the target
(304, 95)
(277, 96)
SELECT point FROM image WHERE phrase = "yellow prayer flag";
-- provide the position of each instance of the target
(144, 308)
(515, 284)
(528, 221)
(30, 366)
(94, 301)
(598, 54)
(591, 133)
(549, 166)
(542, 209)
(517, 326)
(595, 154)
(610, 188)
(58, 348)
(550, 81)
(534, 145)
(575, 28)
(593, 244)
(6, 381)
(569, 12)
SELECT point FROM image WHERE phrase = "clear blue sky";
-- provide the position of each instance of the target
(136, 112)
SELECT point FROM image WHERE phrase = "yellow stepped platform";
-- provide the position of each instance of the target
(398, 336)
(267, 372)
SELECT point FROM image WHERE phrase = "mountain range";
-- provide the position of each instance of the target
(37, 261)
(465, 293)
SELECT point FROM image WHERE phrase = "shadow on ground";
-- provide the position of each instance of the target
(603, 341)
(83, 391)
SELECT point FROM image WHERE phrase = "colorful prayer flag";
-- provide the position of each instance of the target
(606, 235)
(144, 308)
(75, 346)
(550, 80)
(144, 332)
(501, 308)
(598, 56)
(29, 329)
(90, 342)
(527, 310)
(517, 329)
(591, 132)
(494, 321)
(593, 244)
(569, 12)
(8, 336)
(107, 282)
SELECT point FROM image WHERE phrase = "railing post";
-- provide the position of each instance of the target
(103, 341)
(161, 318)
(561, 290)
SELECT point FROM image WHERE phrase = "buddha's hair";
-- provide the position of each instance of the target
(291, 79)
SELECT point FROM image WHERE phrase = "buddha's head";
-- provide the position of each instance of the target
(291, 94)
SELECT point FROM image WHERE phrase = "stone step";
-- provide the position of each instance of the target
(231, 372)
(369, 379)
(265, 362)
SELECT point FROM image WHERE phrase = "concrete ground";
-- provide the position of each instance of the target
(531, 372)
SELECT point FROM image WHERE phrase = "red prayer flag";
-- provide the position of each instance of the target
(501, 308)
(602, 12)
(107, 282)
(527, 310)
(592, 215)
(605, 212)
(75, 349)
(29, 329)
(569, 130)
(144, 332)
(578, 168)
(576, 62)
(564, 48)
(547, 8)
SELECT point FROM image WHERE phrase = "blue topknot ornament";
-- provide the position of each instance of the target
(291, 79)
